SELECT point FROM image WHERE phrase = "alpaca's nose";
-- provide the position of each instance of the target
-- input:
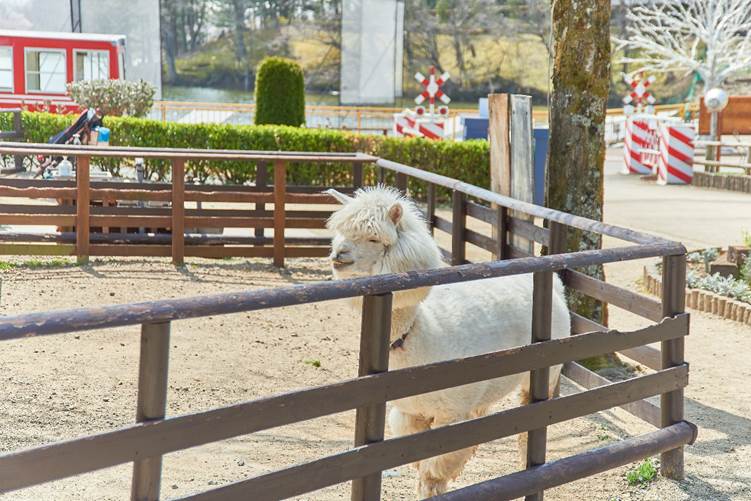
(341, 258)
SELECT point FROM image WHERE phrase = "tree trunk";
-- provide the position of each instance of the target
(169, 16)
(581, 76)
(238, 8)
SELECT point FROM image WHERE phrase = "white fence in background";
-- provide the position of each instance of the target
(365, 119)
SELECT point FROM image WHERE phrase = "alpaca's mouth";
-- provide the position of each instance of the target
(339, 264)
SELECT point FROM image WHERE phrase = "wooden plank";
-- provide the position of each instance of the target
(50, 462)
(500, 147)
(64, 193)
(671, 404)
(480, 240)
(529, 231)
(522, 159)
(307, 251)
(178, 212)
(569, 469)
(280, 185)
(213, 251)
(617, 296)
(645, 355)
(82, 209)
(37, 209)
(164, 186)
(585, 378)
(152, 404)
(370, 421)
(37, 250)
(130, 250)
(442, 224)
(170, 153)
(37, 219)
(485, 214)
(133, 221)
(337, 468)
(158, 238)
(250, 300)
(458, 225)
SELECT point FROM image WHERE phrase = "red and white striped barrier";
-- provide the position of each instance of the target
(410, 124)
(639, 146)
(675, 165)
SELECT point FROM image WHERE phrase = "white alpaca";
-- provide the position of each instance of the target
(378, 232)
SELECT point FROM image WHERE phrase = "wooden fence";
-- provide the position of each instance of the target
(155, 434)
(115, 224)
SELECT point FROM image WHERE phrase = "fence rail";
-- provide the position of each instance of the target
(155, 434)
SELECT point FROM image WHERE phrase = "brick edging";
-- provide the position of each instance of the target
(722, 182)
(702, 300)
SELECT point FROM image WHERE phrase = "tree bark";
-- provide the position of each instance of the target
(581, 76)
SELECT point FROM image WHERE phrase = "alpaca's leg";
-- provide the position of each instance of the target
(554, 390)
(436, 472)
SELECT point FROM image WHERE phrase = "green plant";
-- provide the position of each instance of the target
(747, 238)
(314, 363)
(114, 97)
(644, 473)
(725, 286)
(280, 93)
(466, 160)
(706, 256)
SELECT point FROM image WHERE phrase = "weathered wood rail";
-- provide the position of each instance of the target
(155, 434)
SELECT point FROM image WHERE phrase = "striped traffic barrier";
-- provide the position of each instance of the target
(675, 165)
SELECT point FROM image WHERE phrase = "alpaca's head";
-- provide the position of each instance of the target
(378, 231)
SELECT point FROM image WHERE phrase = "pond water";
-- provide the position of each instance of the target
(212, 95)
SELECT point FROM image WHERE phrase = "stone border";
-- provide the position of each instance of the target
(722, 182)
(702, 300)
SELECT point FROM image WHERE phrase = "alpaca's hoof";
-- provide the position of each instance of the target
(431, 487)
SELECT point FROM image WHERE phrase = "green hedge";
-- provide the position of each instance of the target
(467, 160)
(280, 93)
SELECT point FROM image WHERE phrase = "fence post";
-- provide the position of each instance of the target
(539, 382)
(401, 182)
(671, 404)
(83, 197)
(357, 175)
(152, 403)
(370, 421)
(500, 233)
(280, 188)
(18, 129)
(458, 223)
(430, 216)
(262, 179)
(178, 211)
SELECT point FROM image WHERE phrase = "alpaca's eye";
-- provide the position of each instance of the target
(373, 240)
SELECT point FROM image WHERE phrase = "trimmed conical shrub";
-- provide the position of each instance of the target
(280, 92)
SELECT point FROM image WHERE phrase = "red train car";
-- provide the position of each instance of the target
(36, 66)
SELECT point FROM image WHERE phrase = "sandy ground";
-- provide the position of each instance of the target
(70, 385)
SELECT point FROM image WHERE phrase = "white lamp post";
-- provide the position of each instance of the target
(715, 100)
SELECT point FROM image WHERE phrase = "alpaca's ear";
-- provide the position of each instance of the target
(395, 213)
(340, 197)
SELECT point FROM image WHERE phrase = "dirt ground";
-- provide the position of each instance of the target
(65, 386)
